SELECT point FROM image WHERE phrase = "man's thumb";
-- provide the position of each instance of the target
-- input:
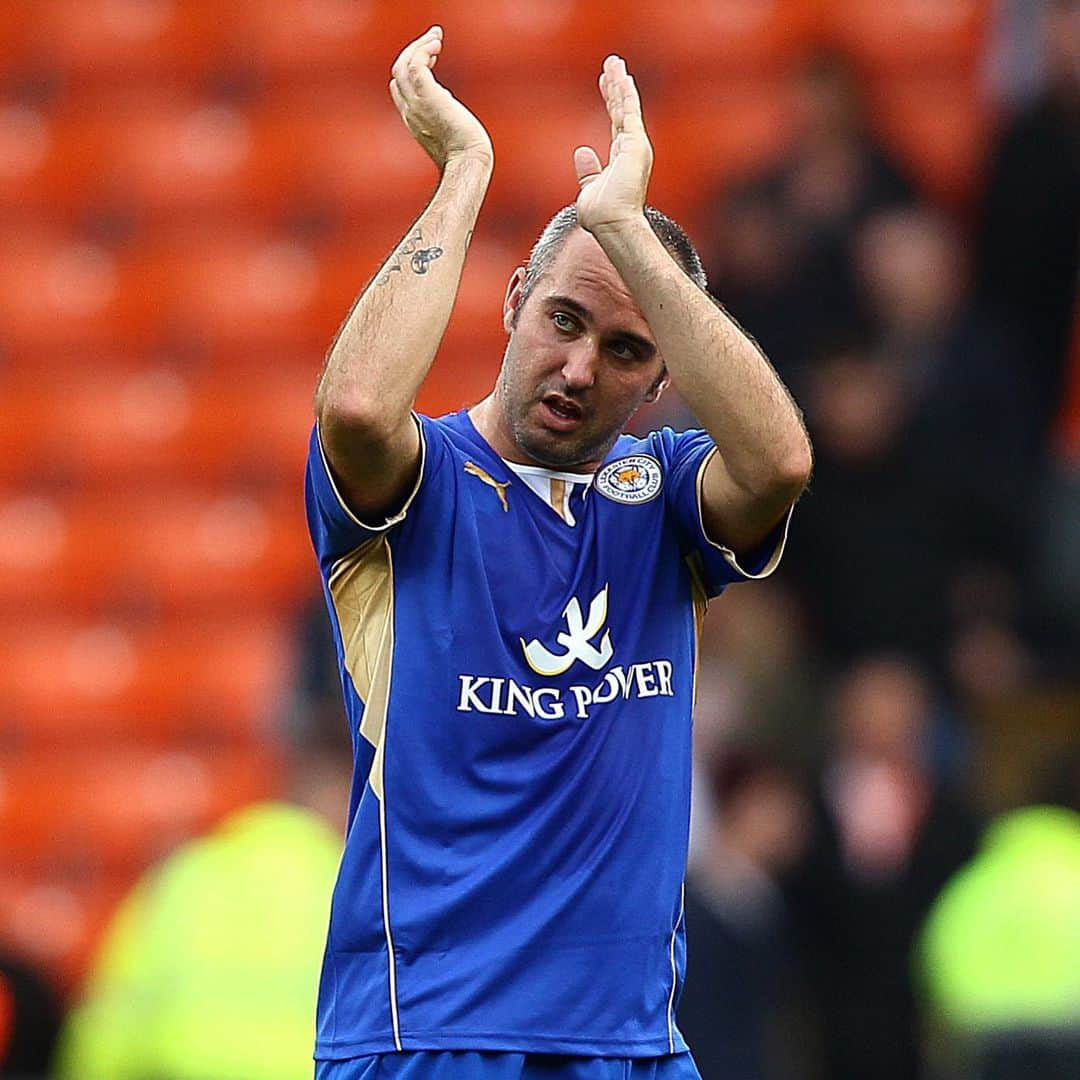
(586, 164)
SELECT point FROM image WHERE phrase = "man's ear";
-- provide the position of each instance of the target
(512, 300)
(658, 387)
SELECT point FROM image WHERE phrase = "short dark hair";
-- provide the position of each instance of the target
(671, 235)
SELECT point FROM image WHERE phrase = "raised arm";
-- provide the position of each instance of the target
(764, 457)
(386, 345)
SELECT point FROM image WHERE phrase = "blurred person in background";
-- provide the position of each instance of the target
(886, 834)
(971, 413)
(1027, 267)
(30, 1014)
(783, 261)
(1027, 240)
(737, 1011)
(210, 966)
(927, 445)
(881, 580)
(998, 958)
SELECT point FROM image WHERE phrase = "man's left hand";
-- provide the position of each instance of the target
(614, 194)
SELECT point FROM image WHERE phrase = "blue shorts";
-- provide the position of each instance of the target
(498, 1065)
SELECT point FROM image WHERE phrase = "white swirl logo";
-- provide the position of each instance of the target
(575, 639)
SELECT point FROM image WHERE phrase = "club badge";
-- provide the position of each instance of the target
(632, 480)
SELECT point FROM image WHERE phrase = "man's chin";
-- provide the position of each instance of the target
(557, 451)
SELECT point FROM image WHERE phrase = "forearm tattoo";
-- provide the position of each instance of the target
(419, 257)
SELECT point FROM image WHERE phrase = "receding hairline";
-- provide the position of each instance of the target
(556, 232)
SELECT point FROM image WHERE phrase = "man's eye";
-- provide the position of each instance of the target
(562, 320)
(624, 351)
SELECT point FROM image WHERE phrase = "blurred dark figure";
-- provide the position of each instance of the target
(887, 835)
(927, 446)
(29, 1021)
(1028, 236)
(1060, 523)
(783, 262)
(972, 414)
(316, 712)
(736, 1008)
(875, 549)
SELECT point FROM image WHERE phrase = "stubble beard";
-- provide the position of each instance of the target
(548, 449)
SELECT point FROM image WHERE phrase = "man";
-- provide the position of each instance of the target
(513, 591)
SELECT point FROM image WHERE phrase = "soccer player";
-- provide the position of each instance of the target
(515, 592)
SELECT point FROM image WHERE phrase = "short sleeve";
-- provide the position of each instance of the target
(684, 457)
(335, 529)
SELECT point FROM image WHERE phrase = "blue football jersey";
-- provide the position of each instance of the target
(519, 692)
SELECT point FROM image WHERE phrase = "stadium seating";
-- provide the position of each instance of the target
(90, 44)
(907, 36)
(721, 37)
(221, 673)
(169, 550)
(60, 290)
(159, 426)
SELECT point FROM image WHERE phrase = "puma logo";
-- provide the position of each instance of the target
(499, 486)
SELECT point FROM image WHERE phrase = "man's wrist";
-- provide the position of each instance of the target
(470, 163)
(626, 239)
(621, 229)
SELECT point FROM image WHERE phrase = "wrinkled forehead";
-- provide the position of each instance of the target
(581, 271)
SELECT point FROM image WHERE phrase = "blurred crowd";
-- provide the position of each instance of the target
(847, 915)
(885, 846)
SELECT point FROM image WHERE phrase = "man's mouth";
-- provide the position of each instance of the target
(561, 412)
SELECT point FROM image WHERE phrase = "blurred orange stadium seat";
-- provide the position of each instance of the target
(93, 43)
(943, 37)
(342, 153)
(939, 128)
(725, 37)
(59, 291)
(46, 161)
(224, 553)
(15, 30)
(192, 552)
(284, 41)
(228, 288)
(534, 171)
(167, 157)
(708, 134)
(498, 39)
(157, 426)
(195, 674)
(56, 920)
(124, 804)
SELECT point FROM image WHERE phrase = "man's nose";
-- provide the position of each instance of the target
(579, 368)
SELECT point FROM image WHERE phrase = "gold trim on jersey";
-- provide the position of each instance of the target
(729, 555)
(390, 522)
(362, 590)
(557, 497)
(500, 486)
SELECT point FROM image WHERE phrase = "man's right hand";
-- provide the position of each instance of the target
(436, 119)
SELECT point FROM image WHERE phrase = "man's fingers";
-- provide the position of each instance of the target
(620, 96)
(417, 57)
(395, 94)
(586, 164)
(403, 56)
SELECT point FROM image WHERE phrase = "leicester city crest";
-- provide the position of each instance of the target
(632, 480)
